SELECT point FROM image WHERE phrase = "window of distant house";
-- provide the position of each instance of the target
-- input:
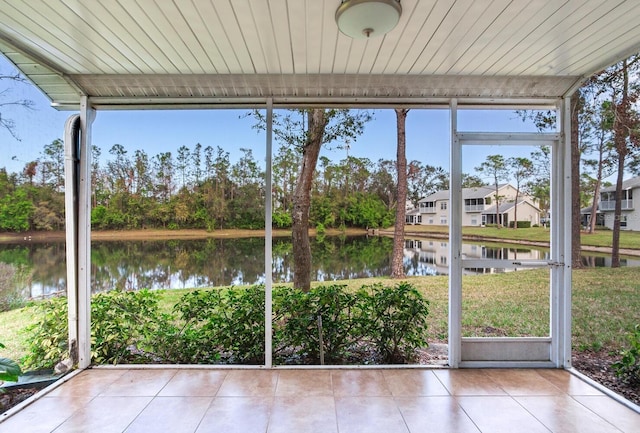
(474, 222)
(443, 220)
(623, 220)
(430, 220)
(419, 218)
(443, 205)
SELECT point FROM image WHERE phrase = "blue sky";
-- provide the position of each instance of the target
(163, 130)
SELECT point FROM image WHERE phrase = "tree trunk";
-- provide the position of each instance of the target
(397, 265)
(620, 141)
(302, 200)
(596, 193)
(576, 246)
(515, 209)
(498, 222)
(594, 207)
(615, 243)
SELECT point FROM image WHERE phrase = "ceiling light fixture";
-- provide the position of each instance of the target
(367, 18)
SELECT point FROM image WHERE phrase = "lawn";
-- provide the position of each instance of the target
(606, 305)
(601, 238)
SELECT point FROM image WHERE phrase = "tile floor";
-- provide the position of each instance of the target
(345, 401)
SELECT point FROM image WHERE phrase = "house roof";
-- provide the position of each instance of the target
(632, 183)
(467, 193)
(158, 53)
(506, 207)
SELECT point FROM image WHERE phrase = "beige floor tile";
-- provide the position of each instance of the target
(616, 413)
(171, 414)
(303, 414)
(44, 415)
(237, 415)
(194, 383)
(563, 414)
(413, 383)
(302, 400)
(435, 414)
(498, 414)
(139, 383)
(304, 382)
(359, 382)
(247, 383)
(522, 382)
(468, 382)
(567, 382)
(105, 415)
(88, 383)
(369, 415)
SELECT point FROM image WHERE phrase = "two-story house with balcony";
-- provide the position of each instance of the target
(479, 207)
(629, 218)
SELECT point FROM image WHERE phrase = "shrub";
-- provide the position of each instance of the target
(216, 325)
(297, 328)
(628, 368)
(390, 321)
(189, 338)
(124, 325)
(240, 323)
(47, 339)
(397, 323)
(382, 323)
(521, 224)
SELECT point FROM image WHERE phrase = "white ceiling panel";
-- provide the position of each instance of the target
(207, 52)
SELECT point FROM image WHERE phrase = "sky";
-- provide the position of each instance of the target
(158, 131)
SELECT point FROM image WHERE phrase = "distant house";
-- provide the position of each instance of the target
(479, 207)
(629, 218)
(413, 216)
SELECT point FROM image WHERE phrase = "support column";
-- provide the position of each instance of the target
(71, 169)
(561, 221)
(564, 308)
(87, 115)
(455, 241)
(268, 245)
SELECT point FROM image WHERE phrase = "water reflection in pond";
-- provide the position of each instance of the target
(167, 264)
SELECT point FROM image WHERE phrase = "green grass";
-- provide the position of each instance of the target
(601, 238)
(606, 305)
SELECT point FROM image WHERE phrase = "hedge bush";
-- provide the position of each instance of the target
(375, 324)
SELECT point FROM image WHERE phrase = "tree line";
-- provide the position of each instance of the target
(200, 187)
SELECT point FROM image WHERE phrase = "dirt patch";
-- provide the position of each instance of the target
(597, 366)
(12, 397)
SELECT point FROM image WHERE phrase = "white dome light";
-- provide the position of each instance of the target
(367, 18)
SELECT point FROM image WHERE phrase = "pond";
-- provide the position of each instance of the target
(171, 264)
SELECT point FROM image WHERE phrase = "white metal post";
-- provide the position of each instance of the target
(564, 351)
(268, 237)
(561, 222)
(87, 115)
(71, 222)
(455, 241)
(555, 238)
